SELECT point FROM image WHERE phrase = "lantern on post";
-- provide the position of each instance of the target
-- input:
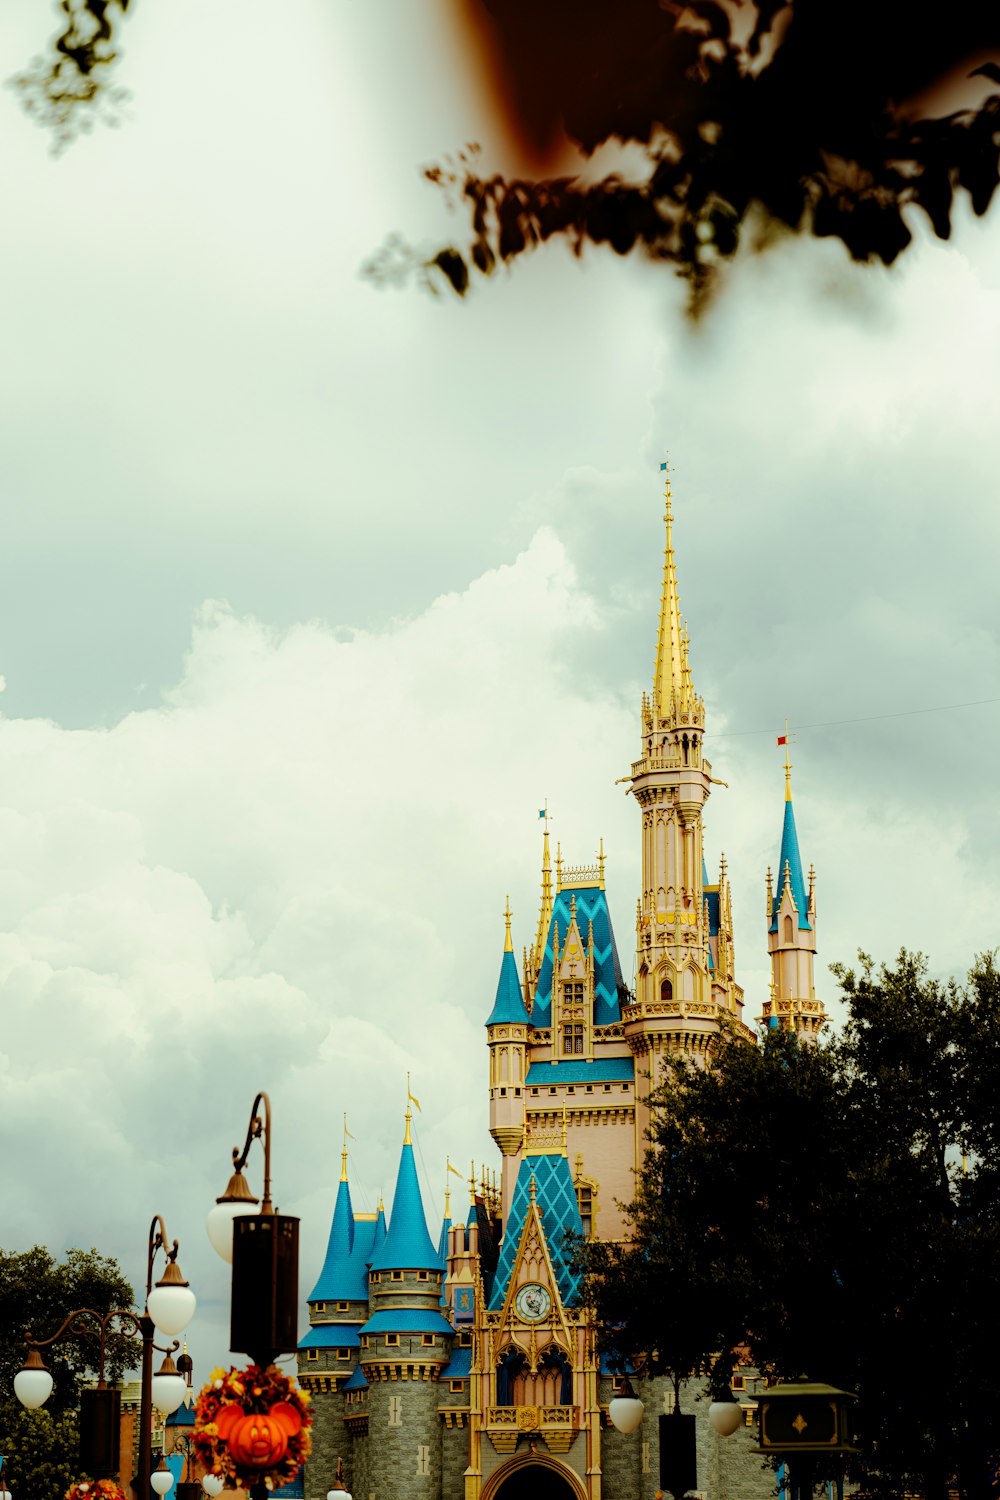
(800, 1421)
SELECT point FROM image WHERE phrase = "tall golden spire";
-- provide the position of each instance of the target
(668, 676)
(545, 910)
(508, 946)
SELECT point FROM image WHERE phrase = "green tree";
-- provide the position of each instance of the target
(36, 1294)
(811, 1204)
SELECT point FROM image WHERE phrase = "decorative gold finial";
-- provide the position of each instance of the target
(532, 1187)
(472, 1182)
(343, 1154)
(407, 1138)
(564, 1128)
(508, 946)
(559, 865)
(600, 863)
(788, 766)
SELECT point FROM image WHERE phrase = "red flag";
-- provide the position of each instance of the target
(782, 739)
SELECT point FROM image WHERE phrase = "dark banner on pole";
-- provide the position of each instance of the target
(678, 1460)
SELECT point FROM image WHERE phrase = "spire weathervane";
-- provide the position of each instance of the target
(785, 739)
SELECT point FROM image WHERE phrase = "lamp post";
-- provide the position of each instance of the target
(169, 1308)
(801, 1421)
(263, 1247)
(338, 1489)
(678, 1457)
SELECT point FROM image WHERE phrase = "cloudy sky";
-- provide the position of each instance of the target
(312, 594)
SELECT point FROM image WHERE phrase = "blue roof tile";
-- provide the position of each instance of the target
(355, 1381)
(508, 1007)
(790, 856)
(460, 1364)
(407, 1246)
(556, 1199)
(331, 1336)
(407, 1320)
(344, 1277)
(601, 1070)
(591, 906)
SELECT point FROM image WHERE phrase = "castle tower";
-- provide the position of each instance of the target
(507, 1033)
(338, 1306)
(676, 1005)
(405, 1344)
(791, 934)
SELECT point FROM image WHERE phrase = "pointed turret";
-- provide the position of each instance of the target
(507, 1032)
(508, 1007)
(338, 1279)
(681, 989)
(407, 1246)
(674, 699)
(791, 935)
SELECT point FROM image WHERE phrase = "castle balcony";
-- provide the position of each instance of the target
(557, 1425)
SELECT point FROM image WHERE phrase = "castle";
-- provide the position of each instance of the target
(465, 1368)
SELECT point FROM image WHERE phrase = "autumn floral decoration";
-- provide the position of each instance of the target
(95, 1489)
(251, 1424)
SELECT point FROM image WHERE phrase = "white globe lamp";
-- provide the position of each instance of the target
(725, 1415)
(161, 1479)
(171, 1303)
(212, 1484)
(168, 1387)
(33, 1384)
(236, 1201)
(625, 1409)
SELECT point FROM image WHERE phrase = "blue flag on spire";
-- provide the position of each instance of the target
(662, 467)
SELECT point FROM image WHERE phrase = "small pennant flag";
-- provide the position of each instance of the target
(456, 1171)
(541, 812)
(662, 468)
(413, 1099)
(782, 739)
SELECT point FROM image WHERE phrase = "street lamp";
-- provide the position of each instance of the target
(172, 1308)
(161, 1478)
(625, 1409)
(212, 1484)
(264, 1250)
(725, 1413)
(338, 1489)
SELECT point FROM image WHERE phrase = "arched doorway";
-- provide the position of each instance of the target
(535, 1482)
(533, 1476)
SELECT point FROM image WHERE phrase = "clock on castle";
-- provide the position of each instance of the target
(464, 1367)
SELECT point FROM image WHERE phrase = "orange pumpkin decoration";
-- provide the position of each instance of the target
(258, 1440)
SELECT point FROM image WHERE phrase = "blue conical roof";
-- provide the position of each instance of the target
(343, 1275)
(378, 1239)
(508, 1008)
(790, 856)
(443, 1242)
(407, 1246)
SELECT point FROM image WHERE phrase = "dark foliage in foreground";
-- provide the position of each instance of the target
(834, 1210)
(821, 116)
(36, 1295)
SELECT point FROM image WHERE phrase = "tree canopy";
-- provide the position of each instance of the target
(36, 1294)
(832, 1210)
(824, 117)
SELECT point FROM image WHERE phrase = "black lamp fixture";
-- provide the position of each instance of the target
(263, 1247)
